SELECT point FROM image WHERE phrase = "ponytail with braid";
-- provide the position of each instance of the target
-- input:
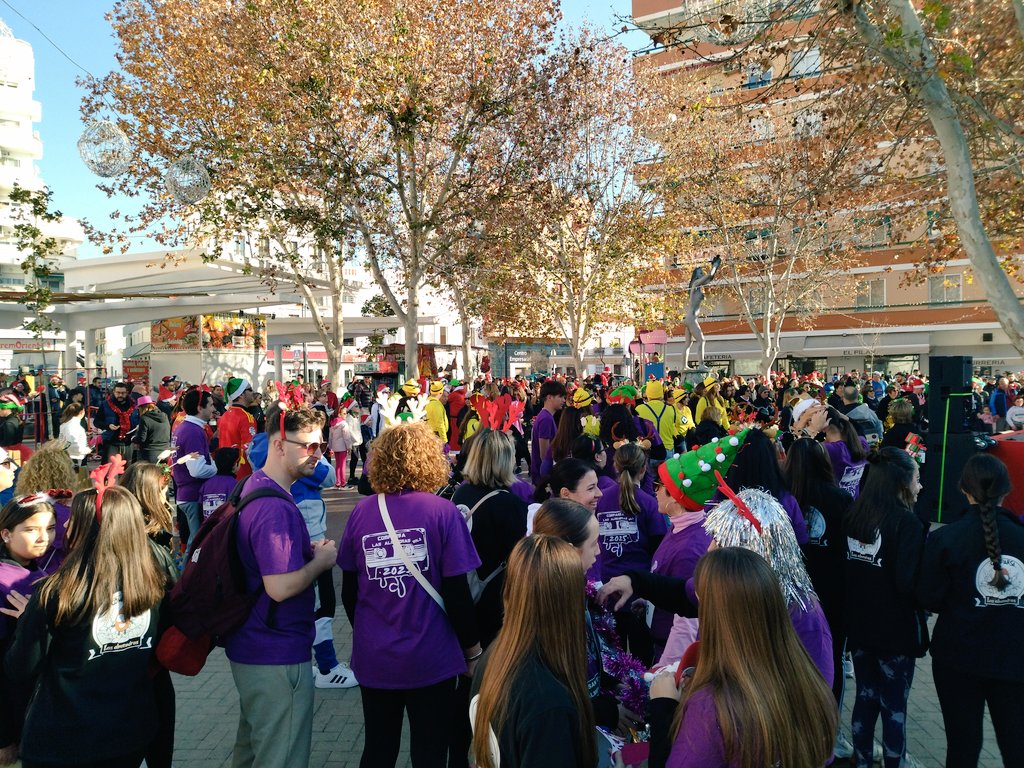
(986, 480)
(630, 462)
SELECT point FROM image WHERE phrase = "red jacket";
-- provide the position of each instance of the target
(236, 429)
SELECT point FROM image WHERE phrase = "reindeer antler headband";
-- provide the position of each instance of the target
(105, 476)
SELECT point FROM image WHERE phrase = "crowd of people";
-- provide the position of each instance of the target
(539, 574)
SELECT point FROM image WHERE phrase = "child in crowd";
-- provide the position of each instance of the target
(215, 491)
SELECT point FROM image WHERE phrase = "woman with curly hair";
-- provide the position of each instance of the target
(50, 467)
(404, 557)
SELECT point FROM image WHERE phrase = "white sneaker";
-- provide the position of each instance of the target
(843, 749)
(341, 676)
(848, 665)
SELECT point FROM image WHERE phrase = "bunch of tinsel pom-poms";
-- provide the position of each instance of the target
(627, 670)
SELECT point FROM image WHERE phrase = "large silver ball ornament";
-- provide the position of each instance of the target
(187, 180)
(105, 149)
(728, 22)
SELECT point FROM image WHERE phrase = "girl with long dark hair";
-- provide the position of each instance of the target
(972, 575)
(847, 451)
(530, 705)
(885, 629)
(87, 638)
(631, 530)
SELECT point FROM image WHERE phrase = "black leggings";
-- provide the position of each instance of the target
(634, 635)
(328, 599)
(161, 750)
(962, 697)
(430, 721)
(354, 454)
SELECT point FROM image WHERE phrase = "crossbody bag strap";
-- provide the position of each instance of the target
(485, 498)
(404, 557)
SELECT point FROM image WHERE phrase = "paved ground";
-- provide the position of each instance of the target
(208, 705)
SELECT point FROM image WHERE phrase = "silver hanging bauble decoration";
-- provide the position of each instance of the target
(105, 149)
(187, 180)
(728, 22)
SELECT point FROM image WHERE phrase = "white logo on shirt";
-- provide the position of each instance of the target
(816, 528)
(385, 567)
(992, 597)
(113, 633)
(617, 529)
(851, 479)
(867, 553)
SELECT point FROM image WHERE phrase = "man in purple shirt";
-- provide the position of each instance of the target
(270, 652)
(191, 453)
(552, 398)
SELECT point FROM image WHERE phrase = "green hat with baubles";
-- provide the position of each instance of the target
(690, 477)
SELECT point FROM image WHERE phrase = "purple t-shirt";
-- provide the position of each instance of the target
(272, 539)
(214, 492)
(14, 577)
(187, 438)
(677, 556)
(626, 539)
(544, 428)
(812, 629)
(400, 637)
(523, 490)
(848, 473)
(699, 742)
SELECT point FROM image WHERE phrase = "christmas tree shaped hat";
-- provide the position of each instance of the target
(690, 477)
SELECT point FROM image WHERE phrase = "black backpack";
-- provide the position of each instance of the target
(210, 599)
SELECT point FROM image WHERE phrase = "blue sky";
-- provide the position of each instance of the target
(78, 28)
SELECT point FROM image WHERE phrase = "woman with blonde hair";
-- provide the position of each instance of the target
(712, 397)
(755, 698)
(50, 468)
(148, 484)
(405, 555)
(87, 637)
(497, 520)
(530, 705)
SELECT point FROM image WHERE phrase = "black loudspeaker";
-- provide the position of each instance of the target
(959, 448)
(949, 376)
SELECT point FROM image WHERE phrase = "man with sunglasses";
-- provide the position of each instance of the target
(190, 447)
(270, 652)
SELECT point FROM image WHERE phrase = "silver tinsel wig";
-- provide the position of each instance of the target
(775, 542)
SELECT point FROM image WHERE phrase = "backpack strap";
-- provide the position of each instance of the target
(262, 493)
(476, 506)
(404, 557)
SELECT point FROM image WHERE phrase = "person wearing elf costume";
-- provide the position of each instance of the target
(678, 398)
(661, 415)
(753, 520)
(437, 415)
(237, 427)
(456, 402)
(712, 396)
(409, 391)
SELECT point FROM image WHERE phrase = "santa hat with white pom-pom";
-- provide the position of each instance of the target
(690, 477)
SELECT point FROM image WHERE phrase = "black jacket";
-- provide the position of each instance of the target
(12, 431)
(825, 550)
(541, 728)
(93, 679)
(879, 610)
(498, 524)
(154, 431)
(979, 628)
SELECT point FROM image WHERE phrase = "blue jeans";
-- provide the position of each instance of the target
(883, 685)
(193, 511)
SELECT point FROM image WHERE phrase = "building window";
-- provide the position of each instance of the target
(945, 289)
(761, 130)
(293, 247)
(264, 247)
(871, 293)
(757, 77)
(872, 233)
(240, 247)
(443, 337)
(808, 124)
(806, 63)
(7, 160)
